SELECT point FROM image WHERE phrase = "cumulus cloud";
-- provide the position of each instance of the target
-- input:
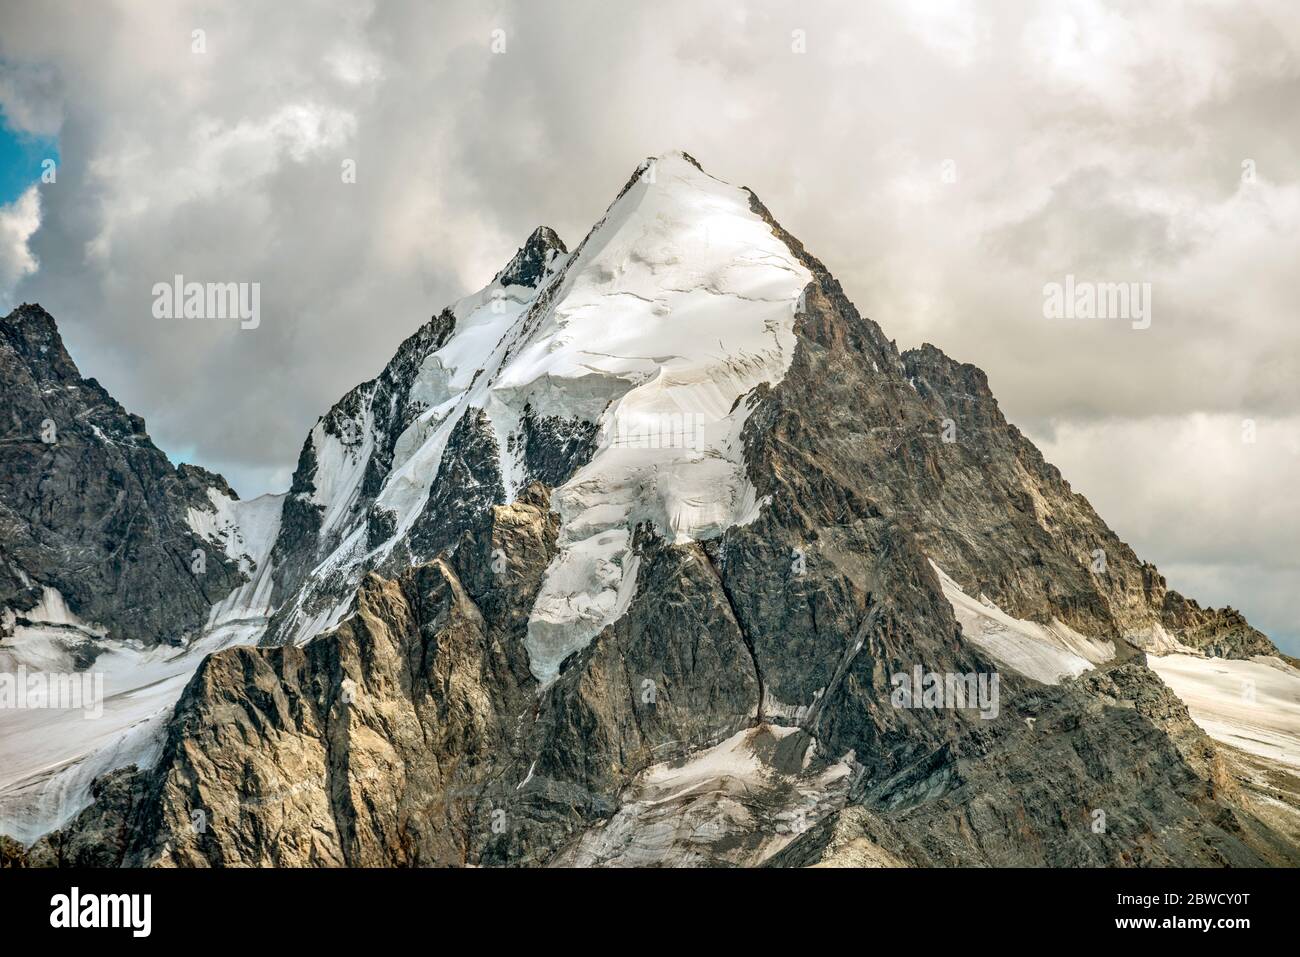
(31, 97)
(18, 221)
(945, 160)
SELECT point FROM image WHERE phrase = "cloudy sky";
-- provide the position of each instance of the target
(946, 160)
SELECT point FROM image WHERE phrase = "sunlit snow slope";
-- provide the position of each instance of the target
(679, 303)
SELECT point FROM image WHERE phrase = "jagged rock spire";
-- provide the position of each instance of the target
(529, 264)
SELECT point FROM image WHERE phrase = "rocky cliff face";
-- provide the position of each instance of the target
(620, 562)
(349, 460)
(90, 508)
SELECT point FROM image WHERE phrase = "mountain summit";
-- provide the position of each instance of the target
(629, 558)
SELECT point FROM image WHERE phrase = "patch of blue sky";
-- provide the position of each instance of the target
(22, 158)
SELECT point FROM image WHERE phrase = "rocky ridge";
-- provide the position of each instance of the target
(735, 706)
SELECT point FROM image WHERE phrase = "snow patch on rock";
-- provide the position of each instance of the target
(1045, 652)
(677, 814)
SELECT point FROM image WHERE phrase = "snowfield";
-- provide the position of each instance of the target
(1251, 705)
(48, 757)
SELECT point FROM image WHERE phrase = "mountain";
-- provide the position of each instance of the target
(623, 560)
(92, 515)
(113, 562)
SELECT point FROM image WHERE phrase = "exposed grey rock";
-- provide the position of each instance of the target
(529, 264)
(1112, 773)
(553, 448)
(100, 834)
(89, 506)
(739, 712)
(467, 486)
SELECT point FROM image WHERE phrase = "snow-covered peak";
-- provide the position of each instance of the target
(673, 278)
(635, 350)
(679, 303)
